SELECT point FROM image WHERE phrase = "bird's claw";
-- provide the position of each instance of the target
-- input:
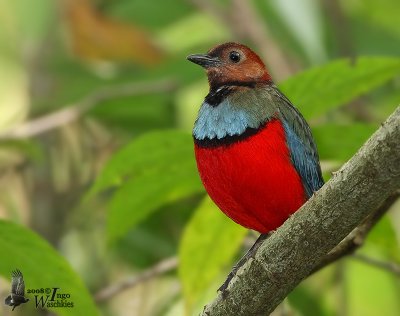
(224, 287)
(250, 254)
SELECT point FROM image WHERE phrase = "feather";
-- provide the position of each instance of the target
(303, 151)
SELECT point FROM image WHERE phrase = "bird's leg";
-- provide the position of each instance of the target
(249, 254)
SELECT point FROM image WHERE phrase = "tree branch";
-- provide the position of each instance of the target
(299, 246)
(390, 267)
(162, 267)
(356, 238)
(74, 111)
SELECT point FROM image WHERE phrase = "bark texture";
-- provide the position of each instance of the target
(299, 246)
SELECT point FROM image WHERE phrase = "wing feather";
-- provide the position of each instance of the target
(303, 151)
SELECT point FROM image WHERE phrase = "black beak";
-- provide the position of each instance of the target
(204, 60)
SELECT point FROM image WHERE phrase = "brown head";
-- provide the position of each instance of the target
(231, 63)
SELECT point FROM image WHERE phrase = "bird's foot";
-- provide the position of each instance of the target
(249, 254)
(224, 287)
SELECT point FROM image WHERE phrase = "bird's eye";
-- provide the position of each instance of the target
(234, 56)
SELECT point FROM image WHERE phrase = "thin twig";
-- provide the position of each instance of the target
(74, 111)
(386, 266)
(357, 237)
(340, 26)
(161, 267)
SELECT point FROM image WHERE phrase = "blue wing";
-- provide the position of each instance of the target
(303, 151)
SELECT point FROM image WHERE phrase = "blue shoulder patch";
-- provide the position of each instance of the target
(223, 120)
(304, 160)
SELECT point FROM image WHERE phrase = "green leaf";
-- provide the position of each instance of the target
(155, 169)
(42, 267)
(136, 113)
(208, 246)
(321, 89)
(340, 141)
(144, 194)
(152, 151)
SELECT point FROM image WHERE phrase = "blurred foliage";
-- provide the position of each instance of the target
(92, 201)
(159, 167)
(208, 244)
(319, 90)
(43, 267)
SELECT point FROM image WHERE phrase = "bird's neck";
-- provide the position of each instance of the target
(233, 112)
(219, 93)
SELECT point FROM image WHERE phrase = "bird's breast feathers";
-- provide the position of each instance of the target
(242, 109)
(252, 180)
(222, 120)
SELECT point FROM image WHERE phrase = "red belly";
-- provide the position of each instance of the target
(253, 181)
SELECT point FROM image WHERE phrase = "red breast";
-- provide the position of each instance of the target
(253, 180)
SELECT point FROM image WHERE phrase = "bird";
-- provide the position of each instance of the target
(255, 152)
(17, 296)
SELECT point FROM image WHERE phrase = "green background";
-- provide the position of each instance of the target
(94, 201)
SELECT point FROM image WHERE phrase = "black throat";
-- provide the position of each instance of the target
(218, 93)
